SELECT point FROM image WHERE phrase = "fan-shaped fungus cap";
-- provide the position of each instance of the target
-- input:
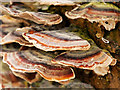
(9, 34)
(38, 61)
(56, 40)
(104, 13)
(6, 19)
(92, 59)
(39, 17)
(7, 78)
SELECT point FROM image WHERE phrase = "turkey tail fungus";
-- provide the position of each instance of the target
(56, 40)
(38, 61)
(93, 59)
(103, 13)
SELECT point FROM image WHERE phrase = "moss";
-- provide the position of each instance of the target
(92, 29)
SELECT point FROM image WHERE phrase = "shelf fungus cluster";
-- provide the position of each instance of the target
(38, 61)
(93, 59)
(8, 33)
(103, 13)
(39, 17)
(53, 54)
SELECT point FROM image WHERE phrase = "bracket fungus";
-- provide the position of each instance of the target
(8, 28)
(9, 80)
(103, 13)
(93, 59)
(56, 40)
(58, 46)
(9, 48)
(6, 19)
(38, 61)
(37, 17)
(8, 34)
(29, 77)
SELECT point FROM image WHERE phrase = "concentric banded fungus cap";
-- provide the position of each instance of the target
(93, 59)
(38, 61)
(104, 13)
(39, 17)
(7, 78)
(56, 40)
(8, 34)
(6, 19)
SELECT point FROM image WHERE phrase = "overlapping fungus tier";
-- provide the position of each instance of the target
(8, 34)
(104, 13)
(5, 23)
(56, 40)
(38, 61)
(91, 59)
(9, 48)
(6, 19)
(37, 17)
